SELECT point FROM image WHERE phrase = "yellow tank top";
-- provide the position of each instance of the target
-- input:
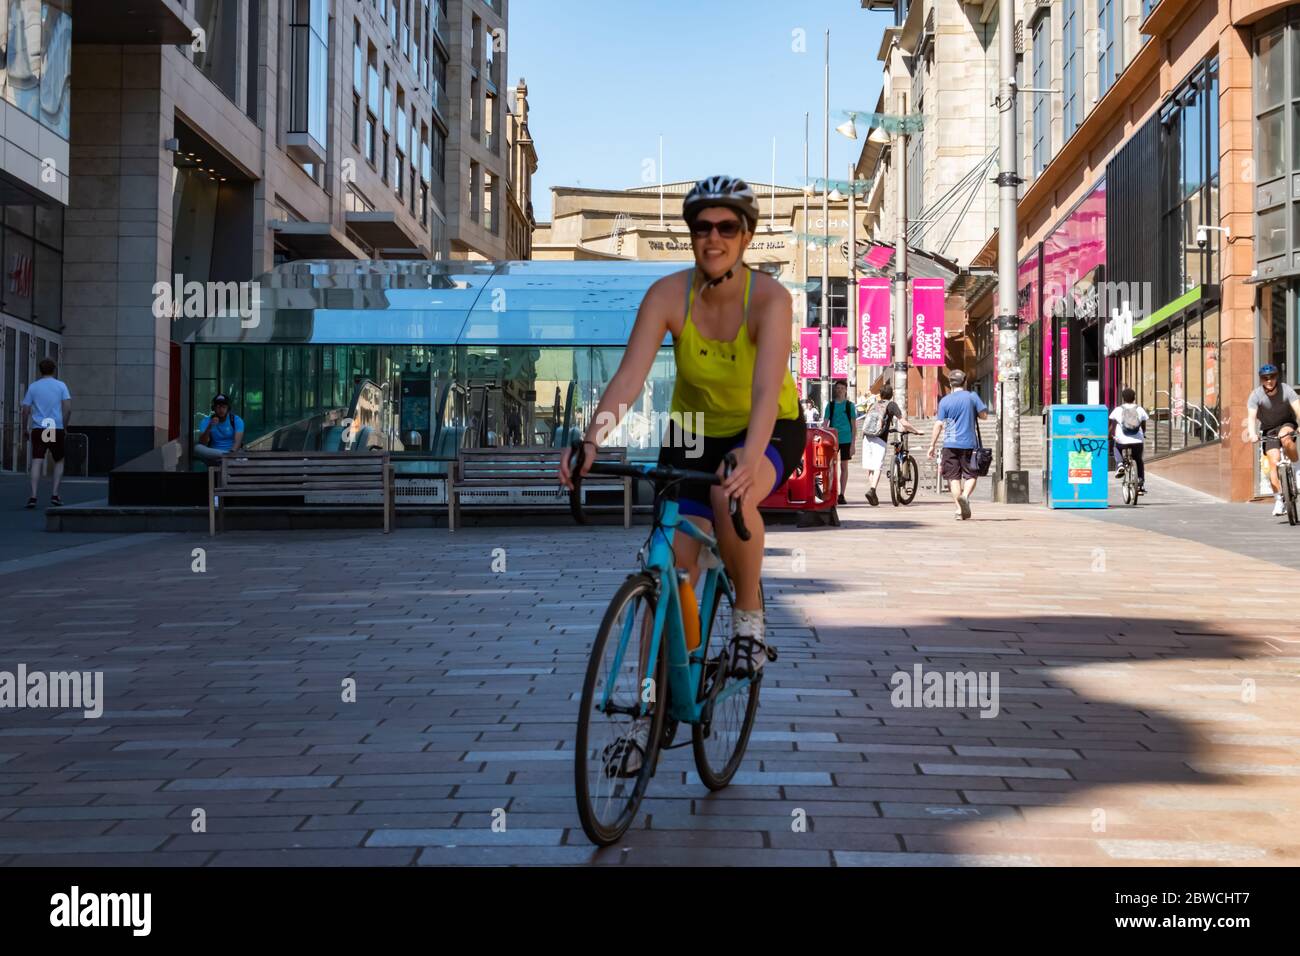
(715, 380)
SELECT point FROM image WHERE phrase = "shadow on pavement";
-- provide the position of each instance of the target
(878, 778)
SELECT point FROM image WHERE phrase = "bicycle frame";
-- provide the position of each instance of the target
(684, 668)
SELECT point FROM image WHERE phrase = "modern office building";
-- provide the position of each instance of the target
(201, 143)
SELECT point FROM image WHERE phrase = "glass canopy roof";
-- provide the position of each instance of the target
(455, 302)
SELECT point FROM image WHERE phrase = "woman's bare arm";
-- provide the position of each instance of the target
(771, 366)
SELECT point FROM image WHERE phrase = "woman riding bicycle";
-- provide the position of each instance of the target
(733, 392)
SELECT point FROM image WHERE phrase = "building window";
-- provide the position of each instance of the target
(1042, 115)
(489, 124)
(490, 222)
(1071, 72)
(1110, 43)
(406, 30)
(309, 92)
(475, 110)
(219, 20)
(475, 191)
(438, 84)
(1277, 149)
(1189, 184)
(440, 153)
(372, 103)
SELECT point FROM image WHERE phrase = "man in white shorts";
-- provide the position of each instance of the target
(876, 425)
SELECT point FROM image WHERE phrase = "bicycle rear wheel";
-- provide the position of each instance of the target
(607, 800)
(720, 738)
(909, 479)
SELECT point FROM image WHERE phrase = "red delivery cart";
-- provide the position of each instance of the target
(814, 488)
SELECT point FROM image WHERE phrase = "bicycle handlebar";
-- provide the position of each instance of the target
(656, 473)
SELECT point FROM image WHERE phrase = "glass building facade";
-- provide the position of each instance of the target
(423, 358)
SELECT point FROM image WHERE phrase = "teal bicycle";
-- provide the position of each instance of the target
(644, 679)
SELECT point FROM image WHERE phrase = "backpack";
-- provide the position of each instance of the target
(833, 406)
(1130, 420)
(875, 420)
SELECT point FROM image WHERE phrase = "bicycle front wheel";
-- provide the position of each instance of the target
(1289, 490)
(613, 736)
(908, 480)
(730, 704)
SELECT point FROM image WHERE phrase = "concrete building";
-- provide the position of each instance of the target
(202, 143)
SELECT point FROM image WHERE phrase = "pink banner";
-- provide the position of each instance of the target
(840, 353)
(873, 321)
(810, 359)
(927, 322)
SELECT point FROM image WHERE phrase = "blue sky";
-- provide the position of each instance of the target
(718, 78)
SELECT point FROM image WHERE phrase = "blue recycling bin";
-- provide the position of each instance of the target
(1077, 456)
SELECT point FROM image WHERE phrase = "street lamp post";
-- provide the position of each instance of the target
(900, 264)
(824, 318)
(1014, 484)
(853, 289)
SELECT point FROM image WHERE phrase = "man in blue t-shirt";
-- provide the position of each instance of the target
(957, 420)
(221, 432)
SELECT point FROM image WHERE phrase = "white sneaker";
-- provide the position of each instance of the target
(749, 626)
(1279, 509)
(626, 756)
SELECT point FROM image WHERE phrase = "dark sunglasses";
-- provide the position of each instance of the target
(727, 229)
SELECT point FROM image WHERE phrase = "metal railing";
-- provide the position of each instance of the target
(15, 449)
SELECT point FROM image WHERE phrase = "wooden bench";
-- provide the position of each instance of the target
(526, 470)
(268, 474)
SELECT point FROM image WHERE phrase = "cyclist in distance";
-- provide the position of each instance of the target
(733, 391)
(1273, 411)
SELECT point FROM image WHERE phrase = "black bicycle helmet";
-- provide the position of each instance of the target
(728, 191)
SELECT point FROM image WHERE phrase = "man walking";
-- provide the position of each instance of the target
(841, 417)
(47, 407)
(957, 420)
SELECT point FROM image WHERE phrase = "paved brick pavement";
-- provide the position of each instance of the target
(1147, 710)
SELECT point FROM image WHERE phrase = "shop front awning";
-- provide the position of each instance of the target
(315, 240)
(132, 22)
(386, 234)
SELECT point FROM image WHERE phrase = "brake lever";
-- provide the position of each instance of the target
(733, 506)
(575, 481)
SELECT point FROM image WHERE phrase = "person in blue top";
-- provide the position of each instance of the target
(221, 432)
(956, 419)
(841, 416)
